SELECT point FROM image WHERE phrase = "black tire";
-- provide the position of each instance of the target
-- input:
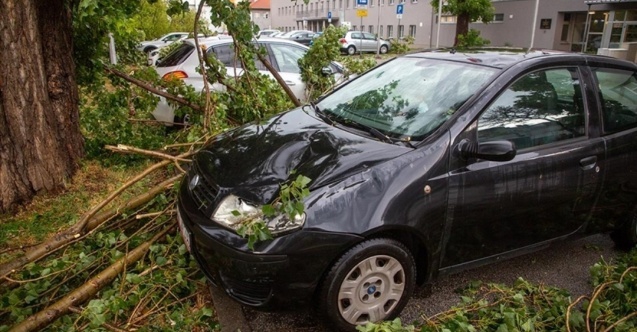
(625, 236)
(369, 286)
(351, 50)
(149, 49)
(383, 49)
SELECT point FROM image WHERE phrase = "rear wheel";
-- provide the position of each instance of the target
(371, 282)
(351, 50)
(625, 237)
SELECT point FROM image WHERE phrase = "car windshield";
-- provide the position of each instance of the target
(406, 97)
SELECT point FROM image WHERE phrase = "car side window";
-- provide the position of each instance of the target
(356, 35)
(369, 36)
(539, 108)
(225, 54)
(618, 96)
(287, 57)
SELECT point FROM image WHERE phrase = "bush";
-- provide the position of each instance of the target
(472, 39)
(402, 45)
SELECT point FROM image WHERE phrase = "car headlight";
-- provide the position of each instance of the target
(233, 210)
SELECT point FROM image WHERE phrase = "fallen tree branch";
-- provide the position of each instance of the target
(279, 79)
(61, 239)
(129, 149)
(153, 89)
(87, 290)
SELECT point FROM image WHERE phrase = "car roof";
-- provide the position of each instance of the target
(212, 41)
(503, 58)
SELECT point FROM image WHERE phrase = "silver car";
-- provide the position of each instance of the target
(182, 63)
(165, 40)
(360, 41)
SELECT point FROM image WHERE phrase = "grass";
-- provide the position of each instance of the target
(51, 212)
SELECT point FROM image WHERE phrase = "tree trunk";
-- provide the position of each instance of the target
(462, 26)
(40, 139)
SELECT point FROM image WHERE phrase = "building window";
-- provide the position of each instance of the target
(347, 3)
(391, 2)
(371, 29)
(402, 1)
(498, 17)
(266, 15)
(565, 27)
(401, 31)
(412, 31)
(256, 15)
(340, 4)
(390, 31)
(448, 19)
(380, 31)
(371, 3)
(354, 27)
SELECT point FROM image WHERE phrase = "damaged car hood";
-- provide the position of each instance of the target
(264, 154)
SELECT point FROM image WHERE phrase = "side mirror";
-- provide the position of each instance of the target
(493, 151)
(327, 71)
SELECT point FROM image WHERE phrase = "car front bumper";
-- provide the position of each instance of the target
(285, 273)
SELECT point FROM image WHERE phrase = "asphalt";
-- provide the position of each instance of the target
(564, 265)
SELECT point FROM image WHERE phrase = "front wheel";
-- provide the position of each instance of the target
(351, 50)
(625, 237)
(371, 282)
(383, 49)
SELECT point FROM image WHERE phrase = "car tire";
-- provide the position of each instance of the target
(625, 236)
(351, 50)
(371, 282)
(149, 49)
(383, 49)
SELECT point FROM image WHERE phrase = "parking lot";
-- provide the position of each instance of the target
(564, 265)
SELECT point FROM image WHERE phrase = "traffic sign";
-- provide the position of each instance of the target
(399, 9)
(361, 13)
(361, 2)
(399, 16)
(329, 14)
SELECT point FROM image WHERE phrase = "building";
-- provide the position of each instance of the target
(260, 13)
(569, 25)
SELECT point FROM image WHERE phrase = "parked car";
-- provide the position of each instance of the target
(182, 63)
(316, 35)
(300, 36)
(462, 160)
(165, 40)
(267, 32)
(357, 41)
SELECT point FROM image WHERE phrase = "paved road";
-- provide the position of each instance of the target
(565, 265)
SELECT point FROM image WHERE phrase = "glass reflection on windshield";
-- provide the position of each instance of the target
(407, 97)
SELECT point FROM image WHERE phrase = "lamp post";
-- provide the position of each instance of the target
(378, 29)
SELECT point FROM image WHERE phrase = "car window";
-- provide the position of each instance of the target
(369, 36)
(541, 107)
(287, 57)
(406, 103)
(618, 93)
(225, 54)
(177, 56)
(356, 35)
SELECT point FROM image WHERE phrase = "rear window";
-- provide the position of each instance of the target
(177, 56)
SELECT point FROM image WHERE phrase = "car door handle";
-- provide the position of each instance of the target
(290, 83)
(588, 162)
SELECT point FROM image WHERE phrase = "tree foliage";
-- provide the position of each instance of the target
(466, 11)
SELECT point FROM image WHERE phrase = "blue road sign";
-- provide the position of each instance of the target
(361, 2)
(399, 9)
(329, 14)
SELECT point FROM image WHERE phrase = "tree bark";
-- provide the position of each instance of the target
(462, 27)
(40, 139)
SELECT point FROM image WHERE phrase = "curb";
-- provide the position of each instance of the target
(229, 312)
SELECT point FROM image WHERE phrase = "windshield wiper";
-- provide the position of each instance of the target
(321, 114)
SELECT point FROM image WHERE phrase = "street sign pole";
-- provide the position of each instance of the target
(362, 13)
(399, 15)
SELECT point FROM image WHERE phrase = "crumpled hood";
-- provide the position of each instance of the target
(256, 158)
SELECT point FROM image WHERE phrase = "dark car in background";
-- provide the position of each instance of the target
(300, 36)
(462, 160)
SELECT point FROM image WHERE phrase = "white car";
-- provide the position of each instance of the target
(165, 40)
(182, 62)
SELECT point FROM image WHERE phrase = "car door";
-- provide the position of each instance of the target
(357, 40)
(617, 91)
(547, 191)
(369, 42)
(286, 60)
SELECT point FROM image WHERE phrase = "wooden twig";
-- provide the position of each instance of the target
(612, 326)
(154, 214)
(129, 149)
(279, 79)
(88, 289)
(111, 327)
(568, 311)
(598, 290)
